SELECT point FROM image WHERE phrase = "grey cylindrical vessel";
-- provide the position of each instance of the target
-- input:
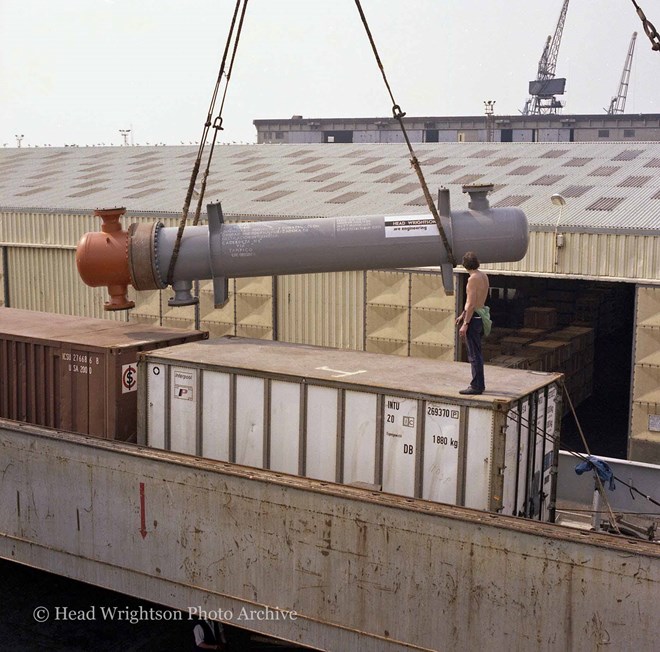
(340, 244)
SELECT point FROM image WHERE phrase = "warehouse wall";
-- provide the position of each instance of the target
(644, 444)
(41, 262)
(321, 309)
(591, 255)
(247, 313)
(2, 277)
(408, 313)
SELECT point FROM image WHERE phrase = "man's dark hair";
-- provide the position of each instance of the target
(470, 260)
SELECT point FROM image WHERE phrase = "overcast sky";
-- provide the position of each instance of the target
(78, 71)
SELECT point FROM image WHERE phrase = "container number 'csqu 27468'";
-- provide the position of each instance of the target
(80, 363)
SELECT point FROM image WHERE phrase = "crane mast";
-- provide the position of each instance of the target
(618, 103)
(546, 86)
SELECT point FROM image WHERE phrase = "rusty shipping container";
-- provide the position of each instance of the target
(396, 424)
(76, 374)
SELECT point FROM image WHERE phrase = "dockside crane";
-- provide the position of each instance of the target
(618, 102)
(546, 86)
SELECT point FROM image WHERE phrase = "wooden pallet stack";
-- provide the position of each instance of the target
(598, 308)
(544, 318)
(568, 350)
(579, 369)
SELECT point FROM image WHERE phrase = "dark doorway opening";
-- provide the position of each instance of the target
(583, 329)
(431, 136)
(506, 135)
(337, 136)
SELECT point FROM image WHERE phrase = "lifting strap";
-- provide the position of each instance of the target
(217, 126)
(399, 115)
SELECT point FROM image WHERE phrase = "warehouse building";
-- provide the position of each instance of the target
(585, 300)
(546, 128)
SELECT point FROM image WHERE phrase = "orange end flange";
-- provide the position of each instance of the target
(102, 259)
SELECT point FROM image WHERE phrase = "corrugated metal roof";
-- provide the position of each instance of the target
(284, 180)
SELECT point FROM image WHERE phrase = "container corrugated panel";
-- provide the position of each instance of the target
(352, 417)
(76, 374)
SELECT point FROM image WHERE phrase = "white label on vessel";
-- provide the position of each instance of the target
(406, 226)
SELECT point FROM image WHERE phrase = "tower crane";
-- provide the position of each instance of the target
(544, 88)
(618, 102)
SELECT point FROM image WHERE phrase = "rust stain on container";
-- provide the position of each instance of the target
(73, 373)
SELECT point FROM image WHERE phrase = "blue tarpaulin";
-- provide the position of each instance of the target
(603, 470)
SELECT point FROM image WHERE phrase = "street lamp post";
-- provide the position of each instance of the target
(490, 110)
(558, 200)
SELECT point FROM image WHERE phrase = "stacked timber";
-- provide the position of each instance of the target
(568, 350)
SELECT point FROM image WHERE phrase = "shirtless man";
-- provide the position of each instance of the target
(470, 321)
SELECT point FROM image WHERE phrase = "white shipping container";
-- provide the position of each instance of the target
(398, 424)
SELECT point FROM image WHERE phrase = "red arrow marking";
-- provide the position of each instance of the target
(143, 524)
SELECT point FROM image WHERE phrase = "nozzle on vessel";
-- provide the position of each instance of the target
(478, 196)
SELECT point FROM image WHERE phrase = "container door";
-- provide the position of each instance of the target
(250, 401)
(400, 445)
(550, 456)
(517, 460)
(5, 368)
(216, 389)
(441, 453)
(183, 410)
(321, 432)
(509, 498)
(541, 442)
(359, 445)
(284, 426)
(478, 461)
(82, 410)
(156, 405)
(522, 506)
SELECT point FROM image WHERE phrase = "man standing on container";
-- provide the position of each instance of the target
(475, 321)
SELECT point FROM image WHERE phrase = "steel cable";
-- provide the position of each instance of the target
(217, 123)
(207, 125)
(399, 115)
(650, 30)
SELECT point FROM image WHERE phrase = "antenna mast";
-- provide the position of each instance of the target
(618, 103)
(544, 88)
